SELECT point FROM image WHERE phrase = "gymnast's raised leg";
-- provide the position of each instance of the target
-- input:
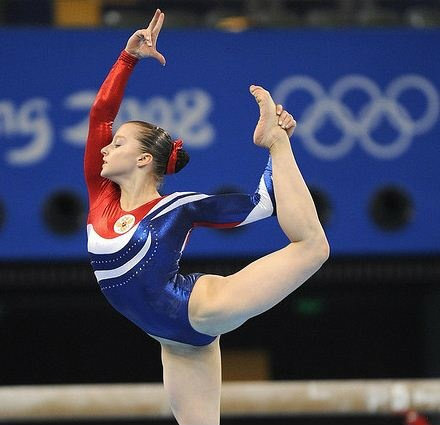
(221, 304)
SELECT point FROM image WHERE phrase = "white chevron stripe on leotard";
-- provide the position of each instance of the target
(180, 202)
(96, 244)
(263, 209)
(166, 200)
(119, 271)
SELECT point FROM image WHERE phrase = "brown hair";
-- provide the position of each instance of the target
(157, 142)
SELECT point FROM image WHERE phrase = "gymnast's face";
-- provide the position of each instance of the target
(123, 156)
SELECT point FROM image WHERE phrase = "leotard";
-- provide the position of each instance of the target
(135, 254)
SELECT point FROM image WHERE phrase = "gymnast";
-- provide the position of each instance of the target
(136, 236)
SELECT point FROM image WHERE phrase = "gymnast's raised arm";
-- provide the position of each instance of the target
(141, 44)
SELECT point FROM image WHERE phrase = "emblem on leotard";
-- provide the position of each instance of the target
(124, 224)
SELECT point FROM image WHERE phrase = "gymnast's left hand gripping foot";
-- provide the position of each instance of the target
(136, 236)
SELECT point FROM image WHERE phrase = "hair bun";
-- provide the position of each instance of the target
(182, 160)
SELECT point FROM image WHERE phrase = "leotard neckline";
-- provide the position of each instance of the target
(150, 204)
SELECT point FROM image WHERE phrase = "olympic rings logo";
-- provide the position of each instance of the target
(359, 126)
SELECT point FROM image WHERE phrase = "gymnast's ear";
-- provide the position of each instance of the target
(144, 159)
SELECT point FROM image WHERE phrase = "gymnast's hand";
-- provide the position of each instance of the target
(142, 43)
(286, 120)
(273, 122)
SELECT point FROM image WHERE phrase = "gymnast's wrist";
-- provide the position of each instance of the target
(134, 55)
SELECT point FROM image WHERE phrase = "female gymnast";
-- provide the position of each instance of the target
(136, 236)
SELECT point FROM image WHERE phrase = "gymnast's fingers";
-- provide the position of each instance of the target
(154, 20)
(283, 119)
(158, 26)
(289, 121)
(279, 109)
(291, 126)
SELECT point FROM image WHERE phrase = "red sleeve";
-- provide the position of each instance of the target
(103, 112)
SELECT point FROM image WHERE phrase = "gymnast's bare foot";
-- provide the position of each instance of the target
(267, 131)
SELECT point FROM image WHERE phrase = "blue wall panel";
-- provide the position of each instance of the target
(366, 102)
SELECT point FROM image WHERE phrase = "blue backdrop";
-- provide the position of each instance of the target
(366, 102)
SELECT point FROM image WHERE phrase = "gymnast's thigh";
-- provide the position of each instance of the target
(192, 381)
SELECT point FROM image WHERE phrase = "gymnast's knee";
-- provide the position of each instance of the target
(321, 249)
(317, 247)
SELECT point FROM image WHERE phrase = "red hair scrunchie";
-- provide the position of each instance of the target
(171, 166)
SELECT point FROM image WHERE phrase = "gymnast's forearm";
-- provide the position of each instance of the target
(296, 210)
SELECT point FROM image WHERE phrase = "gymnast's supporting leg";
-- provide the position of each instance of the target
(192, 380)
(221, 304)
